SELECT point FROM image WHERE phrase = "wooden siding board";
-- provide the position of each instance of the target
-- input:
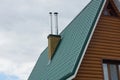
(105, 44)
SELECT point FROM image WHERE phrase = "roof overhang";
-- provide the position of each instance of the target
(117, 3)
(116, 6)
(73, 76)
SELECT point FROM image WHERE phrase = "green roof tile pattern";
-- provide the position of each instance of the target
(68, 54)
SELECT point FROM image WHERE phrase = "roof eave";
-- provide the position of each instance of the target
(73, 76)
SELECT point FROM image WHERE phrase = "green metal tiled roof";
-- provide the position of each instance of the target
(68, 54)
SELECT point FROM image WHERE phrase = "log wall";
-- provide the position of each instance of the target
(105, 44)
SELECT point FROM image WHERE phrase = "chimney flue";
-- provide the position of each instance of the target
(53, 39)
(51, 22)
(56, 22)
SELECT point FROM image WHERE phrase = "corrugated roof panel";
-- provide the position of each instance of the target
(70, 50)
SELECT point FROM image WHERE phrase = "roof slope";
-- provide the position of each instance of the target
(74, 39)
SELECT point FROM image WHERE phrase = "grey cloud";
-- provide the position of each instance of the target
(24, 26)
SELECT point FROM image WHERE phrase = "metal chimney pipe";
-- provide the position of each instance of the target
(56, 23)
(51, 22)
(53, 39)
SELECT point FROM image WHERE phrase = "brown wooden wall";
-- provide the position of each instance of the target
(105, 44)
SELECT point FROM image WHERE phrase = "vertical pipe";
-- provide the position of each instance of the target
(56, 23)
(51, 22)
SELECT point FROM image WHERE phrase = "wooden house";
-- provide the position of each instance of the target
(88, 49)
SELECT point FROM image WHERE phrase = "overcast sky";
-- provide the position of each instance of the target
(24, 26)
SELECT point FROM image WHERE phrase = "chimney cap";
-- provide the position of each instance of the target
(50, 12)
(55, 12)
(52, 35)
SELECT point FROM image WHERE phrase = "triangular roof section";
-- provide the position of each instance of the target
(112, 8)
(116, 6)
(70, 52)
